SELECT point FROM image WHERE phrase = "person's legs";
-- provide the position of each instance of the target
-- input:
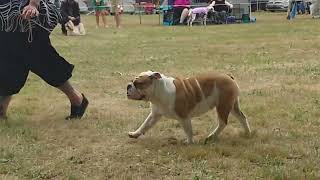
(177, 11)
(56, 71)
(223, 17)
(64, 29)
(4, 103)
(63, 25)
(290, 7)
(184, 15)
(97, 19)
(104, 19)
(116, 11)
(118, 19)
(13, 70)
(78, 101)
(74, 95)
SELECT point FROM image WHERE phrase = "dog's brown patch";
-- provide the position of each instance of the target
(228, 92)
(189, 93)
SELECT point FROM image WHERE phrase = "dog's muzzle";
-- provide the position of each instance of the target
(133, 93)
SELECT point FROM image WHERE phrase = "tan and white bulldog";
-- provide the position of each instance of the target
(183, 99)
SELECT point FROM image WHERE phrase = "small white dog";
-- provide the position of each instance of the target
(201, 13)
(73, 30)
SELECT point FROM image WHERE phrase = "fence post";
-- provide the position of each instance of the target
(140, 12)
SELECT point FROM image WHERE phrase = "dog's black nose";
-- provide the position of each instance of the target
(129, 86)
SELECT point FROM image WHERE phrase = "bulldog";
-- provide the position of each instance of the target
(183, 99)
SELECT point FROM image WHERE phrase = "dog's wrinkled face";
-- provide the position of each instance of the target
(142, 86)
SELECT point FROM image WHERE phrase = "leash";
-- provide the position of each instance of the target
(63, 40)
(30, 37)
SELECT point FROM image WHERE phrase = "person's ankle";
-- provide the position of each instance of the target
(2, 114)
(78, 100)
(2, 117)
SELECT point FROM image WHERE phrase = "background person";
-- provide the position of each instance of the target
(180, 11)
(70, 11)
(221, 8)
(101, 11)
(116, 10)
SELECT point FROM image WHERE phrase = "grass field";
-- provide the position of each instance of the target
(276, 64)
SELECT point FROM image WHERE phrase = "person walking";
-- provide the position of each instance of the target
(25, 46)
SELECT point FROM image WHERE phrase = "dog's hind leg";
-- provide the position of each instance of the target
(223, 111)
(205, 20)
(214, 135)
(189, 21)
(236, 111)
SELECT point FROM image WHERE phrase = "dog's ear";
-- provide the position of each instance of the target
(155, 75)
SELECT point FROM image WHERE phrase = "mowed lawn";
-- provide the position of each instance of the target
(275, 62)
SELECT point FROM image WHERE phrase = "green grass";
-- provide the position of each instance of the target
(276, 64)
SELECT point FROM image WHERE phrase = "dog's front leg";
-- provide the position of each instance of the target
(146, 125)
(193, 17)
(205, 20)
(187, 127)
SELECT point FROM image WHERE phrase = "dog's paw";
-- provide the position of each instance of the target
(133, 135)
(187, 142)
(211, 140)
(206, 141)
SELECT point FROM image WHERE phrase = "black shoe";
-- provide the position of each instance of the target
(78, 111)
(2, 115)
(65, 33)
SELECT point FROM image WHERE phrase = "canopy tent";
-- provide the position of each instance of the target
(240, 8)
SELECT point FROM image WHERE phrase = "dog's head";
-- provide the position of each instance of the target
(210, 8)
(142, 87)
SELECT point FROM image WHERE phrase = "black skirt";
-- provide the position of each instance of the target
(18, 57)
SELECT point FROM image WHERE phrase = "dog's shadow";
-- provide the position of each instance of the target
(233, 140)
